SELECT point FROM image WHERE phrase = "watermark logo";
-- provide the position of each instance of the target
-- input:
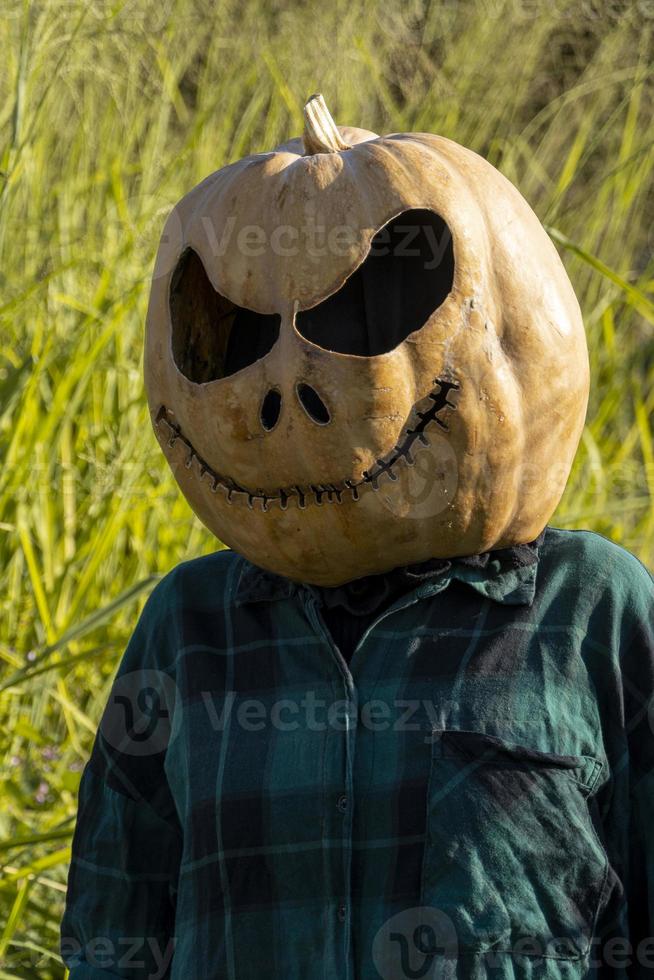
(139, 717)
(416, 944)
(427, 486)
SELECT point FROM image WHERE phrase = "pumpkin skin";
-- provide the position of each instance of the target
(458, 440)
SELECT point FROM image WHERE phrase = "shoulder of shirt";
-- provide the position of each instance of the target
(206, 577)
(595, 559)
(199, 584)
(193, 589)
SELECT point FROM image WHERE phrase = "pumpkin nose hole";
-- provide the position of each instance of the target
(313, 404)
(271, 406)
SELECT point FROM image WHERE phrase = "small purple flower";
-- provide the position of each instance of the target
(41, 794)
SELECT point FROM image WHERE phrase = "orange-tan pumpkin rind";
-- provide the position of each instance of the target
(457, 441)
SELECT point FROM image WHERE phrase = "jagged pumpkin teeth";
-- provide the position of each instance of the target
(437, 347)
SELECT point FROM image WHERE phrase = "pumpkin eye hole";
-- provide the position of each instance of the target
(270, 409)
(407, 274)
(211, 336)
(313, 404)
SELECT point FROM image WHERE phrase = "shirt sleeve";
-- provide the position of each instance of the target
(627, 938)
(639, 717)
(120, 902)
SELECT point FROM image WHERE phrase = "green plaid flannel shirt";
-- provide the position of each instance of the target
(472, 796)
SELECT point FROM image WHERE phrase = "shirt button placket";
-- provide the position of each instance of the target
(344, 967)
(344, 806)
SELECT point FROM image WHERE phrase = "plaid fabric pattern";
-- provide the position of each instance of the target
(473, 796)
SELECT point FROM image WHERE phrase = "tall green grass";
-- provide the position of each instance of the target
(109, 111)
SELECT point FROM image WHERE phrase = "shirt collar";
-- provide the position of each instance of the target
(511, 586)
(507, 576)
(255, 584)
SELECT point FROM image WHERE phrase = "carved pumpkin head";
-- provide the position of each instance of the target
(364, 351)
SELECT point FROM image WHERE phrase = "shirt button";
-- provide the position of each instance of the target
(342, 803)
(342, 913)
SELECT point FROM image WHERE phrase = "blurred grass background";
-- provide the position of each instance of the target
(109, 111)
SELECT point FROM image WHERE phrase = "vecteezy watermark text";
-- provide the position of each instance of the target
(317, 239)
(140, 717)
(143, 953)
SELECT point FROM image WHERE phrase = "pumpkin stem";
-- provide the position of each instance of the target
(320, 132)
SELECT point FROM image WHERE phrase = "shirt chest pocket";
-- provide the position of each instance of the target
(512, 858)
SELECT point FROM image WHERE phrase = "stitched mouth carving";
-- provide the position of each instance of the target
(435, 405)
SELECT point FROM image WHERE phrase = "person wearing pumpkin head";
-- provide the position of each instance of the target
(401, 724)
